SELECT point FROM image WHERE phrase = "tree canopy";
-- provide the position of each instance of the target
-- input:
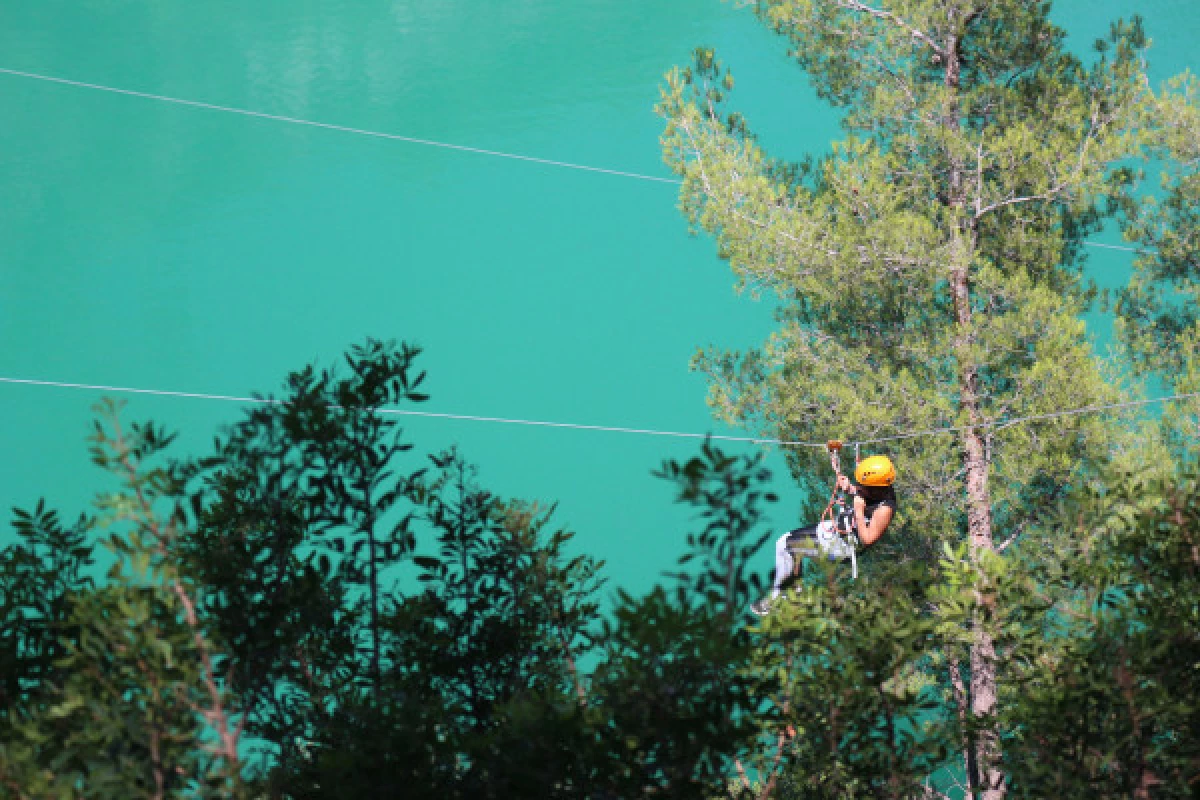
(234, 648)
(929, 269)
(317, 608)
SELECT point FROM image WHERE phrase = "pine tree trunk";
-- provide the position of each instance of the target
(979, 506)
(967, 743)
(979, 532)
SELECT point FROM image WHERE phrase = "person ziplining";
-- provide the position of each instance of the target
(837, 534)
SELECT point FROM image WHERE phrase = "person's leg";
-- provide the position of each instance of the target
(784, 564)
(799, 542)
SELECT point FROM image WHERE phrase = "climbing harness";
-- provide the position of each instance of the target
(843, 540)
(834, 534)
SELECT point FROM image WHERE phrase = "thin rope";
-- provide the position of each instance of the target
(413, 413)
(476, 418)
(1121, 247)
(1008, 423)
(380, 135)
(997, 425)
(1090, 409)
(331, 127)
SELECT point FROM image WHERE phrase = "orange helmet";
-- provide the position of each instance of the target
(875, 471)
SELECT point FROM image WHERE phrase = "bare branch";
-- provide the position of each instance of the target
(780, 740)
(1049, 194)
(742, 774)
(1000, 548)
(216, 715)
(887, 16)
(933, 794)
(962, 701)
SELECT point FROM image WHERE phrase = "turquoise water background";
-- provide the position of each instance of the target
(152, 245)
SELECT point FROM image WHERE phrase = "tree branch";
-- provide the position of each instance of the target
(961, 703)
(737, 762)
(1000, 548)
(769, 787)
(933, 794)
(887, 16)
(1049, 194)
(217, 716)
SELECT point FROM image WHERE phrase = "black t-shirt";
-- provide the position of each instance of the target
(877, 497)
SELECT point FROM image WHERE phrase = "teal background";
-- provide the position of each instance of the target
(151, 245)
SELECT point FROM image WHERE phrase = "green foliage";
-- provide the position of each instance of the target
(40, 574)
(1114, 694)
(231, 611)
(304, 515)
(319, 465)
(850, 713)
(123, 722)
(299, 516)
(1000, 178)
(512, 608)
(129, 706)
(485, 692)
(480, 695)
(727, 493)
(929, 271)
(672, 696)
(672, 687)
(1157, 318)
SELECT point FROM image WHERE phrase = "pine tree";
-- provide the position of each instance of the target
(930, 273)
(1158, 318)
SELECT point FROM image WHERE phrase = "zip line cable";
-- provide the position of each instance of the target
(999, 425)
(1008, 423)
(1120, 247)
(381, 135)
(996, 425)
(411, 413)
(331, 127)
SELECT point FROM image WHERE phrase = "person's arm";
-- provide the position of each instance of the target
(869, 534)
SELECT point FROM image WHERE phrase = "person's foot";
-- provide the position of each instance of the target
(762, 607)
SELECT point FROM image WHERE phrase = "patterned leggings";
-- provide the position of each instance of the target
(802, 542)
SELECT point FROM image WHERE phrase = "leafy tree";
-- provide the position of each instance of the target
(930, 273)
(1113, 693)
(673, 686)
(481, 693)
(483, 687)
(300, 513)
(353, 682)
(40, 574)
(133, 707)
(850, 710)
(728, 493)
(283, 617)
